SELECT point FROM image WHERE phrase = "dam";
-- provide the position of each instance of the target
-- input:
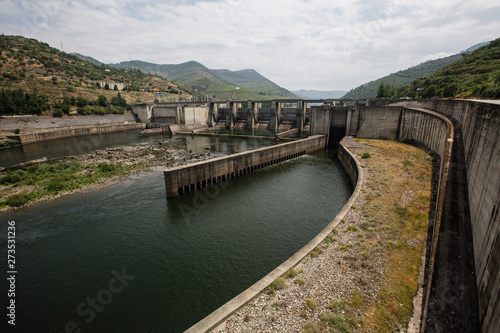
(465, 134)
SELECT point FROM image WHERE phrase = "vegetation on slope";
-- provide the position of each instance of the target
(403, 78)
(220, 84)
(38, 76)
(476, 74)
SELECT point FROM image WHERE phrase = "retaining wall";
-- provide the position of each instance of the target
(72, 131)
(480, 122)
(217, 317)
(182, 179)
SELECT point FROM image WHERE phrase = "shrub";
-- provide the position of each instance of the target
(299, 281)
(365, 254)
(291, 273)
(17, 131)
(352, 228)
(310, 327)
(55, 186)
(311, 304)
(17, 200)
(337, 306)
(12, 177)
(276, 304)
(303, 313)
(316, 252)
(106, 167)
(366, 155)
(334, 320)
(277, 284)
(58, 113)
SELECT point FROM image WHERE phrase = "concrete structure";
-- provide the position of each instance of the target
(475, 123)
(274, 115)
(210, 322)
(480, 129)
(37, 129)
(186, 178)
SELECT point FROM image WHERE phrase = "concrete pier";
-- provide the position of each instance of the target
(183, 179)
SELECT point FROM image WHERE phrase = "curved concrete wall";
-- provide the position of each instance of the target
(480, 122)
(210, 322)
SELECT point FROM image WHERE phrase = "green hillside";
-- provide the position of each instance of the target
(405, 77)
(33, 71)
(221, 84)
(401, 78)
(476, 74)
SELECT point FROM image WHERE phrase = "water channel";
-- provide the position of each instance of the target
(126, 259)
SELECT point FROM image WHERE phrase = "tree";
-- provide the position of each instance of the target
(118, 100)
(102, 101)
(106, 86)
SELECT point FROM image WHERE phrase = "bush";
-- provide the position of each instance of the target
(17, 200)
(300, 281)
(316, 252)
(106, 167)
(291, 273)
(12, 177)
(58, 113)
(311, 304)
(55, 186)
(17, 131)
(277, 284)
(366, 155)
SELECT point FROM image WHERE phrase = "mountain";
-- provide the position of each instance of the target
(475, 75)
(87, 58)
(319, 94)
(405, 77)
(30, 68)
(222, 84)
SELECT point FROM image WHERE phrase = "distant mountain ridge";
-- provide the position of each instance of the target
(219, 83)
(405, 77)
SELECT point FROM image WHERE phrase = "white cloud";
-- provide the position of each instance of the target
(317, 44)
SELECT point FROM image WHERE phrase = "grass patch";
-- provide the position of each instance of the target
(316, 252)
(277, 284)
(311, 304)
(291, 273)
(276, 304)
(299, 281)
(337, 321)
(351, 228)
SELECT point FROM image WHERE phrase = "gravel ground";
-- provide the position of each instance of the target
(336, 274)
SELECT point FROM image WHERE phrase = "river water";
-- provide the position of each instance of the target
(126, 259)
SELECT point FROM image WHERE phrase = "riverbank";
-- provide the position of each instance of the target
(35, 182)
(365, 275)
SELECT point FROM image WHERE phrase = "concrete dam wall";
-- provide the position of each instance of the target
(186, 178)
(480, 128)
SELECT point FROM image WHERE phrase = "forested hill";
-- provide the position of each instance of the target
(405, 77)
(35, 78)
(475, 75)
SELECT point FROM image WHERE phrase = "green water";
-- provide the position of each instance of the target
(177, 260)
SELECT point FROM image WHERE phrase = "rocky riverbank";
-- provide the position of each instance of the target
(48, 179)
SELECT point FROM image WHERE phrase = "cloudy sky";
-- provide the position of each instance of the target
(298, 44)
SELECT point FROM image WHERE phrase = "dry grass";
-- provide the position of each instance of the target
(398, 180)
